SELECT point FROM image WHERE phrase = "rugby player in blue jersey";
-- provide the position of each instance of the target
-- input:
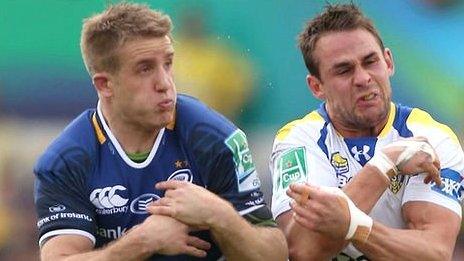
(148, 174)
(352, 179)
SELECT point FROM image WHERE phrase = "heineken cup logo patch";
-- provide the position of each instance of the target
(245, 168)
(292, 167)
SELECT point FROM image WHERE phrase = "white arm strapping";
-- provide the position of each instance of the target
(360, 223)
(412, 147)
(384, 164)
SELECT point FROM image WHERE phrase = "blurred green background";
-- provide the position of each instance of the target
(241, 57)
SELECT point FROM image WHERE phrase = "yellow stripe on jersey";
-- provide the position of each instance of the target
(172, 124)
(421, 117)
(98, 131)
(391, 118)
(285, 130)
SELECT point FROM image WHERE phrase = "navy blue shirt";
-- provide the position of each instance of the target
(86, 184)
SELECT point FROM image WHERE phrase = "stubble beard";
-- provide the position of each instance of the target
(361, 121)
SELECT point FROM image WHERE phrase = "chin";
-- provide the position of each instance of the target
(164, 120)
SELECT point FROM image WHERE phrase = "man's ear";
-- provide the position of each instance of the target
(103, 84)
(315, 86)
(389, 60)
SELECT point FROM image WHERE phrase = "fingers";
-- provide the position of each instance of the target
(192, 251)
(196, 247)
(198, 243)
(197, 228)
(170, 184)
(301, 192)
(299, 209)
(433, 173)
(303, 222)
(161, 210)
(304, 196)
(164, 201)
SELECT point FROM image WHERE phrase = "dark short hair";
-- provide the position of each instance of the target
(335, 18)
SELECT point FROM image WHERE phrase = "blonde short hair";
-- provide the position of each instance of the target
(103, 34)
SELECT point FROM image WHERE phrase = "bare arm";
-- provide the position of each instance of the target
(324, 216)
(237, 239)
(306, 244)
(74, 247)
(157, 234)
(431, 235)
(240, 240)
(366, 188)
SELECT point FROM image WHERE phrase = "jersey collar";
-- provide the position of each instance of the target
(106, 130)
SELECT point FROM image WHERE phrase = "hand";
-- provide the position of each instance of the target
(319, 210)
(189, 203)
(167, 236)
(413, 156)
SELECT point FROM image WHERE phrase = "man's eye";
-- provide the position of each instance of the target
(145, 68)
(371, 61)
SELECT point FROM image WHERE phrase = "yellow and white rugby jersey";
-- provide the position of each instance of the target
(310, 150)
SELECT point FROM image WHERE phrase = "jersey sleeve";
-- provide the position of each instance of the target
(295, 158)
(59, 194)
(229, 169)
(221, 155)
(450, 194)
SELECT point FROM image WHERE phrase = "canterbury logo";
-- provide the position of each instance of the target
(364, 151)
(107, 198)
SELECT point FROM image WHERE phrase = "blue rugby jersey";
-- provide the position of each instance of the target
(86, 184)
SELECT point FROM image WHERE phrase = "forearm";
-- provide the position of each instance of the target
(240, 240)
(69, 248)
(305, 244)
(386, 243)
(366, 188)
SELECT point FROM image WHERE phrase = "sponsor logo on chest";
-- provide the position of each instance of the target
(108, 200)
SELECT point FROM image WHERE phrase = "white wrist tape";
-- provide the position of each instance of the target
(384, 164)
(360, 223)
(412, 147)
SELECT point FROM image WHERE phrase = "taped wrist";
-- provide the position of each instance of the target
(386, 167)
(360, 223)
(411, 148)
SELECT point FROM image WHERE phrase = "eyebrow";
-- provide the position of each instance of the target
(144, 61)
(340, 65)
(170, 54)
(150, 61)
(347, 63)
(370, 55)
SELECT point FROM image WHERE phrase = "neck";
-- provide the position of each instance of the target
(348, 131)
(132, 137)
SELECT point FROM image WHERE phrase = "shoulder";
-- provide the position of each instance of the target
(421, 122)
(73, 148)
(194, 120)
(301, 131)
(417, 122)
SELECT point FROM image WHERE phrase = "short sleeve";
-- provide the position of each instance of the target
(450, 194)
(294, 163)
(60, 196)
(225, 161)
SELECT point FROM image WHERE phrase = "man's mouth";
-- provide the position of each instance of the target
(368, 97)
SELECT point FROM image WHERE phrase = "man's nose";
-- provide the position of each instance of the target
(361, 77)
